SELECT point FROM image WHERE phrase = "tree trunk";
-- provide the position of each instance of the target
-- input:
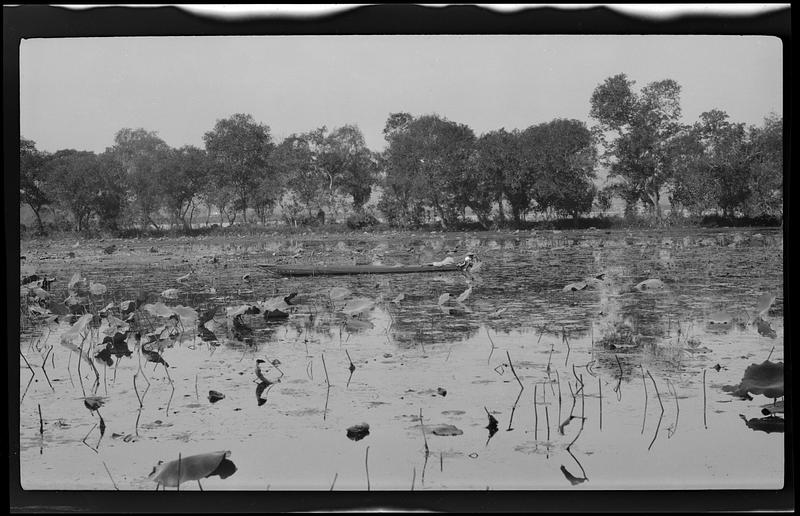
(39, 224)
(501, 216)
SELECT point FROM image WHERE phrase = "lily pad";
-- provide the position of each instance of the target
(338, 293)
(170, 293)
(765, 329)
(572, 287)
(194, 467)
(446, 430)
(764, 303)
(358, 432)
(358, 306)
(650, 284)
(215, 396)
(767, 424)
(765, 378)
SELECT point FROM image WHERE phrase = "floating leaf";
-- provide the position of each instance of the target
(215, 396)
(446, 430)
(447, 261)
(492, 426)
(572, 287)
(170, 293)
(441, 392)
(97, 289)
(188, 316)
(236, 311)
(358, 306)
(127, 307)
(155, 357)
(767, 424)
(93, 402)
(765, 329)
(275, 303)
(68, 337)
(206, 316)
(399, 298)
(358, 324)
(194, 467)
(74, 300)
(40, 292)
(275, 315)
(186, 277)
(650, 284)
(464, 295)
(765, 378)
(158, 309)
(78, 285)
(497, 313)
(338, 293)
(572, 478)
(358, 432)
(444, 298)
(764, 303)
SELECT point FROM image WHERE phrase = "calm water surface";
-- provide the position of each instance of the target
(620, 388)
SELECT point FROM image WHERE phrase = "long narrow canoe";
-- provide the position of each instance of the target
(328, 270)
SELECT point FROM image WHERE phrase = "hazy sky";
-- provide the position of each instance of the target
(77, 93)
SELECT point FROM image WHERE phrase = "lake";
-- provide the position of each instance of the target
(616, 383)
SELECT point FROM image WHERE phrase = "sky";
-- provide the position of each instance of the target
(78, 92)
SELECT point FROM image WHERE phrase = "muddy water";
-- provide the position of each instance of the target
(611, 387)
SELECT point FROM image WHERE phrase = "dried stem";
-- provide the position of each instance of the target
(522, 387)
(656, 388)
(44, 363)
(109, 476)
(705, 422)
(644, 415)
(600, 390)
(366, 466)
(326, 370)
(422, 426)
(535, 414)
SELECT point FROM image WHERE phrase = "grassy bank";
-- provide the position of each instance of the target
(613, 222)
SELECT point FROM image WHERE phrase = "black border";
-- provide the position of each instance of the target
(52, 22)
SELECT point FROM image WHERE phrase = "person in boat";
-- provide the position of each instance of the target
(468, 262)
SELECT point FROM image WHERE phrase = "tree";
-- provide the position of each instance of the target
(765, 181)
(241, 148)
(111, 197)
(32, 179)
(74, 178)
(296, 164)
(428, 162)
(348, 164)
(694, 187)
(186, 171)
(561, 157)
(490, 162)
(143, 156)
(644, 123)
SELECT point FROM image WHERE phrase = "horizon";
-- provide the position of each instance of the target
(179, 87)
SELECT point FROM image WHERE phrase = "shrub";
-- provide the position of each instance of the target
(361, 221)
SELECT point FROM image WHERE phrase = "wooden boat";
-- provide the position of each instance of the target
(328, 270)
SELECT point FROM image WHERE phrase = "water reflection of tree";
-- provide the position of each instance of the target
(432, 327)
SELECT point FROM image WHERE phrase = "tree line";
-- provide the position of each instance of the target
(433, 170)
